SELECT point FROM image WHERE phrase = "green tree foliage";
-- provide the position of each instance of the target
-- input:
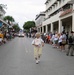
(29, 24)
(9, 18)
(16, 28)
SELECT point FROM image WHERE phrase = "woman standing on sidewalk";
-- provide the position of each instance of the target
(38, 44)
(60, 41)
(71, 44)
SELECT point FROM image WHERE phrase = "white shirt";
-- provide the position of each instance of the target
(56, 37)
(37, 41)
(60, 39)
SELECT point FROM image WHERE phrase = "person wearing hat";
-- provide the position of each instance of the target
(38, 44)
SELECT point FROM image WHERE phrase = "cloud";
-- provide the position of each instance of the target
(24, 10)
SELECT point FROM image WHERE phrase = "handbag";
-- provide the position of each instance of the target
(63, 41)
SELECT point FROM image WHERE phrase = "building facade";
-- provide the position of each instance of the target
(39, 20)
(59, 16)
(3, 24)
(2, 11)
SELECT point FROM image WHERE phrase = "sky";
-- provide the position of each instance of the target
(23, 10)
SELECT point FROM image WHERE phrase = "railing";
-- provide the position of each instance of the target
(66, 12)
(58, 6)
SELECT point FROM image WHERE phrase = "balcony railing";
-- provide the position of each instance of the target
(66, 12)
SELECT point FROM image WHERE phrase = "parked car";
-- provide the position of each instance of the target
(21, 35)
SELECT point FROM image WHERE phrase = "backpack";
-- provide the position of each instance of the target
(70, 39)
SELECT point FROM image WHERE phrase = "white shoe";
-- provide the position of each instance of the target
(37, 61)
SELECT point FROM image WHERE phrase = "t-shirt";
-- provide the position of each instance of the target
(64, 37)
(37, 41)
(56, 37)
(60, 39)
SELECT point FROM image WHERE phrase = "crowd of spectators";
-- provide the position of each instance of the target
(5, 36)
(62, 41)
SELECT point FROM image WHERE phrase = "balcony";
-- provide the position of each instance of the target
(51, 19)
(66, 12)
(50, 4)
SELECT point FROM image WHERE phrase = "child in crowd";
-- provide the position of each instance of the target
(38, 44)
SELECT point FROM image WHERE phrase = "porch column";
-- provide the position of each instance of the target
(37, 28)
(52, 27)
(73, 22)
(46, 28)
(42, 29)
(60, 26)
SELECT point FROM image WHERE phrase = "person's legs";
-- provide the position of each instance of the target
(36, 54)
(39, 58)
(53, 43)
(39, 54)
(63, 47)
(69, 47)
(72, 50)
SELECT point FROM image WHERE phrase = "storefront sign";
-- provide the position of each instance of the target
(0, 24)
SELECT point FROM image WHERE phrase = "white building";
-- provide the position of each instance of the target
(2, 11)
(2, 14)
(39, 19)
(59, 16)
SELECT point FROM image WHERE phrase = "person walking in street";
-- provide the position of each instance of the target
(38, 44)
(71, 44)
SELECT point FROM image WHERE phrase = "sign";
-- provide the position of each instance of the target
(0, 24)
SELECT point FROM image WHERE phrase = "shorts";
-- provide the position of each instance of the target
(60, 43)
(37, 51)
(56, 41)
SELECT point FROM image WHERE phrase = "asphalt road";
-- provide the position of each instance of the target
(16, 58)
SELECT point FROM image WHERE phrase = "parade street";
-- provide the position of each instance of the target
(17, 58)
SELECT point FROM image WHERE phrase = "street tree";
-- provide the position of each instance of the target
(29, 24)
(9, 18)
(16, 28)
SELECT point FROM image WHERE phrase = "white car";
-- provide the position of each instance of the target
(21, 35)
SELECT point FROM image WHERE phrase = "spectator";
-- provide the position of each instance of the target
(63, 40)
(71, 44)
